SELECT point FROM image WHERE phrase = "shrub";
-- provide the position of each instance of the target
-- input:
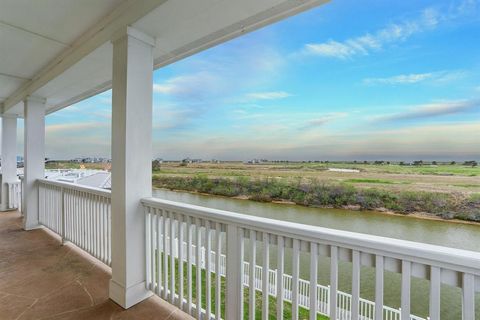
(313, 193)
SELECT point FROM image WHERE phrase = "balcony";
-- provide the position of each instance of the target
(79, 252)
(180, 237)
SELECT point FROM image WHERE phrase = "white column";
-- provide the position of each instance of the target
(131, 163)
(34, 158)
(9, 156)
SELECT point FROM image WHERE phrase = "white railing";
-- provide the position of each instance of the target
(14, 195)
(78, 214)
(344, 299)
(190, 231)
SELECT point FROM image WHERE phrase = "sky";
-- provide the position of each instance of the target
(349, 80)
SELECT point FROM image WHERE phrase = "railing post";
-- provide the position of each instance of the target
(234, 283)
(62, 197)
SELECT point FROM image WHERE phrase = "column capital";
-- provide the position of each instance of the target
(10, 115)
(34, 98)
(128, 31)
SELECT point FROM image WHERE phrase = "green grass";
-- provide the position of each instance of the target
(287, 306)
(466, 185)
(379, 181)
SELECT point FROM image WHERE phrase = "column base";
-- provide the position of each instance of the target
(31, 226)
(128, 297)
(4, 209)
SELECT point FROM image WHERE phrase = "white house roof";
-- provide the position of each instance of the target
(60, 49)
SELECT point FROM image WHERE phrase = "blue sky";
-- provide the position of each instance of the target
(347, 80)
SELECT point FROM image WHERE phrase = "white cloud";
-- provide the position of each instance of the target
(324, 119)
(331, 49)
(269, 95)
(431, 110)
(436, 77)
(194, 86)
(74, 127)
(429, 19)
(400, 79)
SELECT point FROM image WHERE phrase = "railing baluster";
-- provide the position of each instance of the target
(189, 265)
(158, 257)
(109, 231)
(91, 209)
(435, 274)
(379, 287)
(77, 218)
(100, 230)
(218, 278)
(333, 282)
(165, 255)
(468, 296)
(355, 285)
(153, 260)
(280, 271)
(80, 222)
(251, 275)
(148, 248)
(295, 277)
(97, 226)
(313, 280)
(265, 272)
(74, 217)
(104, 236)
(180, 259)
(172, 257)
(208, 279)
(198, 267)
(405, 295)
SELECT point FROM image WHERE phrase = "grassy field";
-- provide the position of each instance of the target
(439, 178)
(445, 190)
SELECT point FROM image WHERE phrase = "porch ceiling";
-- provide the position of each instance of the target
(60, 49)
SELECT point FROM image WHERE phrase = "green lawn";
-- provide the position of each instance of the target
(287, 307)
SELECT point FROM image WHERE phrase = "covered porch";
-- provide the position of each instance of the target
(145, 257)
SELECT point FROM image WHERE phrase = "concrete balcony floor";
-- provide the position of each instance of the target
(41, 279)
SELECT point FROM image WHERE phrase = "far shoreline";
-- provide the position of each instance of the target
(413, 215)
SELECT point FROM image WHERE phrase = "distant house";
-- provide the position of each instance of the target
(91, 160)
(256, 161)
(188, 160)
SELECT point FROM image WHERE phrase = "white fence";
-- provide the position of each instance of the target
(78, 214)
(189, 232)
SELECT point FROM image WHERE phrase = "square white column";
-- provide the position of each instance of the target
(131, 163)
(34, 158)
(9, 156)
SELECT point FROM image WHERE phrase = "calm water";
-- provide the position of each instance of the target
(454, 235)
